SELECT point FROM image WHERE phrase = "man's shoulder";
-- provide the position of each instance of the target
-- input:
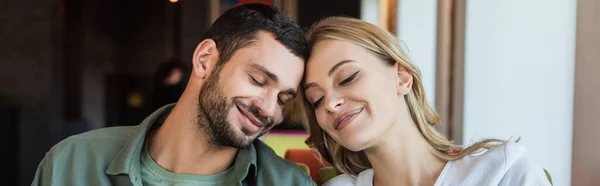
(112, 133)
(84, 158)
(269, 164)
(108, 136)
(267, 156)
(102, 143)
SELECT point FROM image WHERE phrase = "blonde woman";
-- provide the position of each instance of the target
(368, 116)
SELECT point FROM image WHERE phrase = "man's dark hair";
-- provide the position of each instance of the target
(238, 27)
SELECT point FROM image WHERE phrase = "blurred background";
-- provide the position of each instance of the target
(512, 68)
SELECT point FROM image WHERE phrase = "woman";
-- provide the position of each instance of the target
(368, 117)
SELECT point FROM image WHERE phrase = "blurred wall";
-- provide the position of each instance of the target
(417, 32)
(310, 11)
(369, 11)
(519, 69)
(56, 57)
(194, 22)
(31, 73)
(586, 149)
(417, 24)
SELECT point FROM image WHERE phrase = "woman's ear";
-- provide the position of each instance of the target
(205, 58)
(404, 79)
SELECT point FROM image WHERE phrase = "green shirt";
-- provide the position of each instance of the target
(113, 156)
(153, 174)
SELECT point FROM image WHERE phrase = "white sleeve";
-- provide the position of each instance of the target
(341, 180)
(522, 170)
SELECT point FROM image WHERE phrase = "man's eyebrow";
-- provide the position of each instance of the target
(264, 70)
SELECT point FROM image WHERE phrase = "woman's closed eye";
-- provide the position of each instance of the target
(349, 80)
(317, 103)
(343, 83)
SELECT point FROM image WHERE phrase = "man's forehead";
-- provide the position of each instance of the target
(266, 54)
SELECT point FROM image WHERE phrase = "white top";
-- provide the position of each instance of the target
(507, 164)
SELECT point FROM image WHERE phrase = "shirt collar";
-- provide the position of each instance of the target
(128, 159)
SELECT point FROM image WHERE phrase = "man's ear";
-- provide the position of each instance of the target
(205, 58)
(404, 80)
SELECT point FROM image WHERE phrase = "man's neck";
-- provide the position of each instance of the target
(180, 147)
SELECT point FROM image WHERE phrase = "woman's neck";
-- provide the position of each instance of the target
(402, 157)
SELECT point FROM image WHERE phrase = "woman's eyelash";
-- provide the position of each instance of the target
(344, 82)
(317, 103)
(349, 79)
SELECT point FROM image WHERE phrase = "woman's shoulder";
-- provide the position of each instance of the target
(520, 168)
(508, 162)
(343, 179)
(507, 154)
(500, 156)
(364, 178)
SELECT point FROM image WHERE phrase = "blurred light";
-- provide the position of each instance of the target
(173, 1)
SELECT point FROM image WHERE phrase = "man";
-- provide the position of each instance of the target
(244, 71)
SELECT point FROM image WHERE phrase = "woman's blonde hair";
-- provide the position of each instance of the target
(386, 47)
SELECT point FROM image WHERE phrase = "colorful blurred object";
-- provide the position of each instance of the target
(325, 174)
(304, 167)
(282, 140)
(308, 157)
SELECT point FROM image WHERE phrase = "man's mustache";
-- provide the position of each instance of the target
(265, 120)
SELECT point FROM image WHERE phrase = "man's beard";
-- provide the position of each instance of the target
(213, 109)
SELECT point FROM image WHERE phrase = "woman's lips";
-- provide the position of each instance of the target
(346, 118)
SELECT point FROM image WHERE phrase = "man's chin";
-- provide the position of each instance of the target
(250, 137)
(246, 143)
(245, 139)
(249, 134)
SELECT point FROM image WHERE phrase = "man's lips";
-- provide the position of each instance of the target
(344, 119)
(250, 116)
